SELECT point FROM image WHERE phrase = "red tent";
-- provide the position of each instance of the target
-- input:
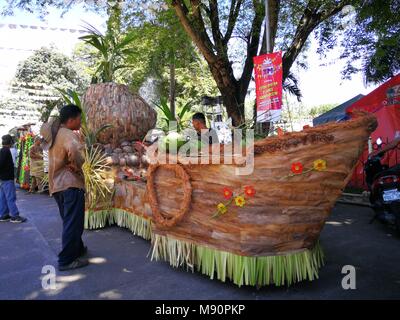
(384, 102)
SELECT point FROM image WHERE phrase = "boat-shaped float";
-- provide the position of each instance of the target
(255, 229)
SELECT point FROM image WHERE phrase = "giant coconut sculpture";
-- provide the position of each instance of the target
(128, 113)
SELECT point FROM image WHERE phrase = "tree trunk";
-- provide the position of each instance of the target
(172, 87)
(114, 17)
(229, 87)
(190, 14)
(220, 66)
(234, 104)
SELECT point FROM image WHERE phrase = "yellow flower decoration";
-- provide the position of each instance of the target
(239, 200)
(222, 208)
(320, 165)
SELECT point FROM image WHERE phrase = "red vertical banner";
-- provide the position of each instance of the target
(268, 77)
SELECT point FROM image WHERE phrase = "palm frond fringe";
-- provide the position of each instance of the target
(242, 270)
(95, 219)
(254, 271)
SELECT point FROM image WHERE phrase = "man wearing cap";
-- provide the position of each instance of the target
(67, 184)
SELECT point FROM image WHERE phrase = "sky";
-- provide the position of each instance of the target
(26, 39)
(319, 84)
(323, 84)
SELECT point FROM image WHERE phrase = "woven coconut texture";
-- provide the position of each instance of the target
(111, 103)
(285, 216)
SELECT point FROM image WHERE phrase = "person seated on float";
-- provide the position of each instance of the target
(204, 134)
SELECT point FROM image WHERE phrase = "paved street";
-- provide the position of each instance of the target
(120, 267)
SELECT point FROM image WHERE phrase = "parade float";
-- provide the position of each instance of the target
(24, 143)
(256, 229)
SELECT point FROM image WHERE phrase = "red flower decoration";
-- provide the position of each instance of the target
(249, 191)
(227, 193)
(26, 168)
(297, 168)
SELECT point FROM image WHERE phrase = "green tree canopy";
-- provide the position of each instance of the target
(229, 33)
(160, 52)
(49, 67)
(373, 41)
(33, 93)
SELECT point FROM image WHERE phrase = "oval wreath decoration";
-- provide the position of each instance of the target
(159, 218)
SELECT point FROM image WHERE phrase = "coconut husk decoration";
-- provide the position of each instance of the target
(128, 113)
(257, 229)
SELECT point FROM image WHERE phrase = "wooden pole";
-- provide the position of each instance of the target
(267, 28)
(265, 126)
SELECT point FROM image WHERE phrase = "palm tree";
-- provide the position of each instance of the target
(113, 49)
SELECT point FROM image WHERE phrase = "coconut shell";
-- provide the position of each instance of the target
(133, 160)
(145, 160)
(115, 159)
(109, 160)
(108, 151)
(129, 114)
(127, 149)
(122, 162)
(125, 143)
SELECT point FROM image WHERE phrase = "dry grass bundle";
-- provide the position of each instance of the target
(99, 183)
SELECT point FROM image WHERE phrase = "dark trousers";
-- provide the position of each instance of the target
(71, 204)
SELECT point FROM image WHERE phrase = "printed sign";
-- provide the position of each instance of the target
(268, 76)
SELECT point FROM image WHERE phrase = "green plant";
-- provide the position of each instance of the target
(113, 50)
(254, 271)
(173, 123)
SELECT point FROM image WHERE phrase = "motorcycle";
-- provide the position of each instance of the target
(384, 186)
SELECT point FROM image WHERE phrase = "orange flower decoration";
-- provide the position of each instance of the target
(297, 168)
(227, 193)
(249, 191)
